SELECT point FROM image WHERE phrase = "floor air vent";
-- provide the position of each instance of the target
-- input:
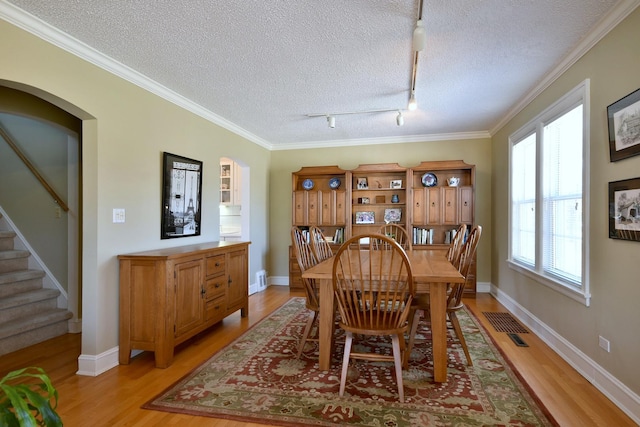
(504, 322)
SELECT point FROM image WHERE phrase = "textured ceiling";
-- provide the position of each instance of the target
(260, 66)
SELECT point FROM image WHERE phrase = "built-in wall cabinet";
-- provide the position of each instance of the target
(430, 201)
(229, 183)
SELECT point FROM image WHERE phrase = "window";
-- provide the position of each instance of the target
(548, 228)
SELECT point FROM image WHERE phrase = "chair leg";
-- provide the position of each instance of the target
(348, 339)
(412, 338)
(312, 318)
(456, 327)
(397, 361)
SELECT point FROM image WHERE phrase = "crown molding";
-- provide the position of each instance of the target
(386, 140)
(604, 26)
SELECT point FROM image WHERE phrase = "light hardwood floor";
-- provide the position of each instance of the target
(114, 398)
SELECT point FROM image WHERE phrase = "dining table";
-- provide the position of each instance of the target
(432, 273)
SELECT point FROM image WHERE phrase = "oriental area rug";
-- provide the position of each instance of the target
(258, 378)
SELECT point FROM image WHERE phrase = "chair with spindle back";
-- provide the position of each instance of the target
(321, 248)
(454, 297)
(373, 290)
(397, 233)
(306, 259)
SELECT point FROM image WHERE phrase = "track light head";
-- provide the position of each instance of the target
(331, 120)
(419, 37)
(399, 118)
(413, 104)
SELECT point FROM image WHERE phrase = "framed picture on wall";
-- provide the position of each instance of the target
(624, 209)
(181, 197)
(624, 127)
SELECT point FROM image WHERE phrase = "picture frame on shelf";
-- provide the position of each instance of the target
(363, 200)
(395, 183)
(366, 217)
(392, 216)
(362, 184)
(624, 127)
(181, 197)
(624, 209)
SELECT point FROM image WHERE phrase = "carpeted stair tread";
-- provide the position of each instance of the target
(13, 254)
(19, 276)
(28, 297)
(36, 320)
(7, 234)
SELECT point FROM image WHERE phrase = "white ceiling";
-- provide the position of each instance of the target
(258, 67)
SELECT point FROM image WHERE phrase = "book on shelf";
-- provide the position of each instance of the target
(423, 236)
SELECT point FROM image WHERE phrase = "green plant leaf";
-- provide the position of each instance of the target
(22, 412)
(26, 404)
(7, 418)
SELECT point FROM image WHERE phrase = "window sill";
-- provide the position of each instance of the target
(549, 282)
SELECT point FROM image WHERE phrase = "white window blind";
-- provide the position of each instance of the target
(562, 197)
(523, 199)
(548, 187)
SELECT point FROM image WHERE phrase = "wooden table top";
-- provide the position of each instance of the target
(427, 267)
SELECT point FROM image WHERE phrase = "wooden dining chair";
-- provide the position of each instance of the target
(321, 248)
(306, 259)
(373, 291)
(397, 233)
(421, 305)
(455, 247)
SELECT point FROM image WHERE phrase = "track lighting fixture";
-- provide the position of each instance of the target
(419, 37)
(419, 41)
(413, 104)
(331, 117)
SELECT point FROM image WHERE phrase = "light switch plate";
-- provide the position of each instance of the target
(118, 216)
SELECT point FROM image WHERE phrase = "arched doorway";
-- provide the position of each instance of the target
(41, 144)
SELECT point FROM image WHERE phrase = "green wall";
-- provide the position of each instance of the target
(613, 69)
(283, 163)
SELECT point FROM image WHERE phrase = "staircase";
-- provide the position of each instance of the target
(28, 312)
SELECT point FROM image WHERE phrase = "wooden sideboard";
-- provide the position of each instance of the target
(169, 295)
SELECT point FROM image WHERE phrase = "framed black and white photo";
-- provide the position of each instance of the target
(181, 196)
(395, 183)
(624, 209)
(362, 184)
(624, 127)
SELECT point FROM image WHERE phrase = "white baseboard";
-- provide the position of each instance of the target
(93, 366)
(279, 280)
(483, 287)
(623, 397)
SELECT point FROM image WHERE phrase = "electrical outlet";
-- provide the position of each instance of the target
(58, 212)
(605, 344)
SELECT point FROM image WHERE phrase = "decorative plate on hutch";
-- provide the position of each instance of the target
(307, 184)
(429, 179)
(334, 183)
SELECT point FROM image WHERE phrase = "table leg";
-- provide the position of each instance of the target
(325, 324)
(438, 298)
